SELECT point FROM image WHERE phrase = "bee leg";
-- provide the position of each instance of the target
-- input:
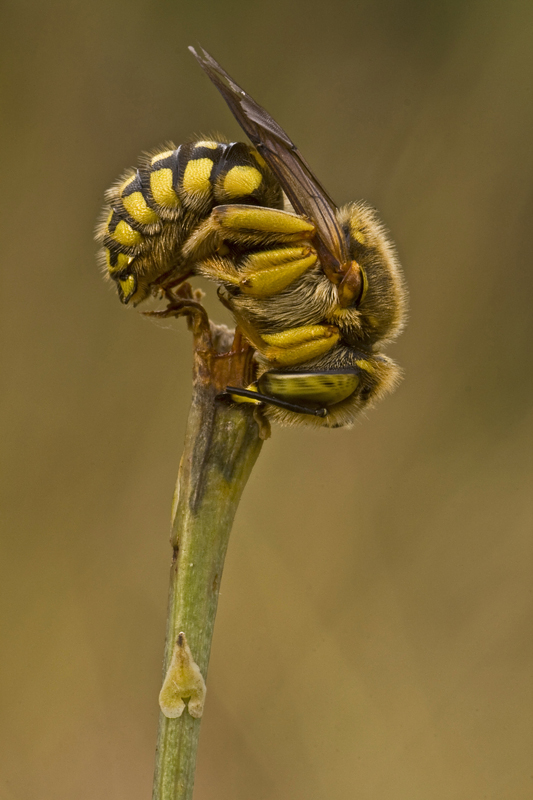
(196, 315)
(262, 423)
(258, 218)
(251, 395)
(258, 224)
(167, 281)
(310, 393)
(297, 345)
(268, 272)
(264, 273)
(315, 389)
(292, 346)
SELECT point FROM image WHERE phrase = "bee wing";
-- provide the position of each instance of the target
(305, 192)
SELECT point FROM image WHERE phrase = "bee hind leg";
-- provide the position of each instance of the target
(290, 347)
(287, 348)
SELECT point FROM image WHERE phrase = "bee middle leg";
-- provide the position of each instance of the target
(289, 347)
(297, 345)
(264, 272)
(292, 346)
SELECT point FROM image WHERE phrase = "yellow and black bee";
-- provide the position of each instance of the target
(317, 290)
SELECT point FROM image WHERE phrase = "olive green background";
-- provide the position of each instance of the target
(373, 639)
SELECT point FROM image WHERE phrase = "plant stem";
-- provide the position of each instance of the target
(222, 444)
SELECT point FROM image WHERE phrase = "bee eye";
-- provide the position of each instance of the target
(127, 286)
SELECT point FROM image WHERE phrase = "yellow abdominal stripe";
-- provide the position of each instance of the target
(209, 145)
(124, 234)
(122, 261)
(160, 156)
(162, 188)
(136, 206)
(196, 176)
(242, 180)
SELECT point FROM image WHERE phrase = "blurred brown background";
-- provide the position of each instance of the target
(373, 638)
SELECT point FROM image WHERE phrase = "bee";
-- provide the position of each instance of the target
(318, 290)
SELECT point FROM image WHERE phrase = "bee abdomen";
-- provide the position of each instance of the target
(182, 185)
(242, 176)
(197, 176)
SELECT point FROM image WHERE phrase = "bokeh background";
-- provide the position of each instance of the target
(373, 637)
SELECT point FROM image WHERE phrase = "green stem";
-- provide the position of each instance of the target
(222, 444)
